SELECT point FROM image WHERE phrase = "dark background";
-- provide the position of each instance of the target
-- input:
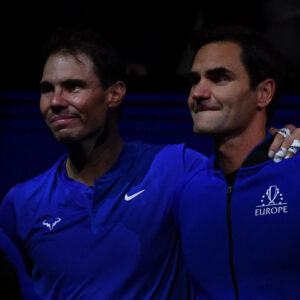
(150, 34)
(153, 39)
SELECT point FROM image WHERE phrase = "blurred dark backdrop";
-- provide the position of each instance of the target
(153, 39)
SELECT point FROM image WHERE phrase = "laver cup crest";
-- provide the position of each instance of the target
(272, 193)
(271, 203)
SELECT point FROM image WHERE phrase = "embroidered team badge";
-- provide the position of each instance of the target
(271, 203)
(50, 223)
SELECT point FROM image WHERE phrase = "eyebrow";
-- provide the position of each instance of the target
(219, 71)
(64, 83)
(74, 82)
(45, 84)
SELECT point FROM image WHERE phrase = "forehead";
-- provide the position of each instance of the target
(219, 54)
(64, 66)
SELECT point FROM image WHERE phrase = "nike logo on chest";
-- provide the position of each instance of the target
(128, 198)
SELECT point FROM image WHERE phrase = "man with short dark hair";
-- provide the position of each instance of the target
(239, 213)
(99, 223)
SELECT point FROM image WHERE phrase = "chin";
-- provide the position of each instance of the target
(205, 129)
(201, 131)
(65, 138)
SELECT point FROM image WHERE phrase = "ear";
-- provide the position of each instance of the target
(265, 93)
(116, 93)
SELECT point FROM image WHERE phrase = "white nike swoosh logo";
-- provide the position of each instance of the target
(128, 198)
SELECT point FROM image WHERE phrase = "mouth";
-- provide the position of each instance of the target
(203, 108)
(204, 105)
(62, 119)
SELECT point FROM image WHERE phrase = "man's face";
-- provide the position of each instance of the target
(221, 100)
(73, 103)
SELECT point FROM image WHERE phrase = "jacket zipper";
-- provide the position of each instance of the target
(233, 276)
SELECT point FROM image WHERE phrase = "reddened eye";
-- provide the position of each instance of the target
(193, 78)
(74, 85)
(46, 87)
(219, 75)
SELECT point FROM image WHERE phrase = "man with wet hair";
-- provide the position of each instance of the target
(99, 223)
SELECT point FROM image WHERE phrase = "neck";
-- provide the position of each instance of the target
(232, 150)
(93, 157)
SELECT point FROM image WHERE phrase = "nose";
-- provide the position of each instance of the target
(58, 100)
(201, 91)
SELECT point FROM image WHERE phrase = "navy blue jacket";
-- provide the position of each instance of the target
(242, 241)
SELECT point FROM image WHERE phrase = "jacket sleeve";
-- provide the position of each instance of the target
(8, 220)
(192, 159)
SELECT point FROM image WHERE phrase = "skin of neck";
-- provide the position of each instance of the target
(92, 157)
(233, 148)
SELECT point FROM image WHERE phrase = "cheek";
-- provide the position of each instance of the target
(190, 103)
(95, 114)
(44, 106)
(233, 99)
(247, 102)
